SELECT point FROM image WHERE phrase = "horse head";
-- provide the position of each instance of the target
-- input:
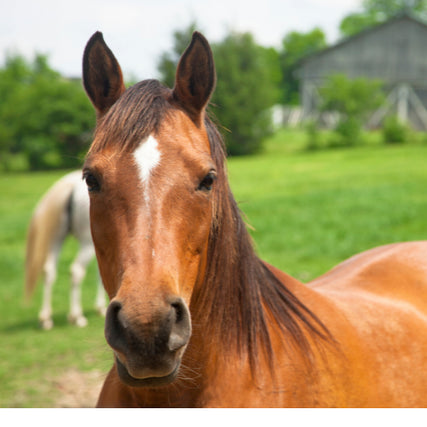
(150, 176)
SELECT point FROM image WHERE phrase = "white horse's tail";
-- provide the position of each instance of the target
(45, 226)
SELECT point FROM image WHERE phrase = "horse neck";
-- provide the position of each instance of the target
(242, 302)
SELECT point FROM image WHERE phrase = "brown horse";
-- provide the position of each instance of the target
(195, 317)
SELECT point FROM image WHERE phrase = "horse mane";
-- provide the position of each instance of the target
(239, 295)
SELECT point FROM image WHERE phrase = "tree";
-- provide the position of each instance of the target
(376, 11)
(354, 100)
(247, 88)
(295, 46)
(42, 115)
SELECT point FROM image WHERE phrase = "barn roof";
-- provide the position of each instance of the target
(402, 16)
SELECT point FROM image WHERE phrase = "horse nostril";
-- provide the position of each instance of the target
(182, 315)
(179, 311)
(114, 327)
(181, 328)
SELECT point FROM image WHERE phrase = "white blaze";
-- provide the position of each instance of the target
(147, 157)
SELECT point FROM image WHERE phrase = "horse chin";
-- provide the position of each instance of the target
(129, 380)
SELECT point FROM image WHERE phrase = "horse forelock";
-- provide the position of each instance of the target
(134, 116)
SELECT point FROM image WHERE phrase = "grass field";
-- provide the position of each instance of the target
(309, 211)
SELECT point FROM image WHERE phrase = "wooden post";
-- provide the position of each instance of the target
(418, 107)
(379, 114)
(403, 103)
(310, 98)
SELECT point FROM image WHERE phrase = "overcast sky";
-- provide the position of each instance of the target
(138, 31)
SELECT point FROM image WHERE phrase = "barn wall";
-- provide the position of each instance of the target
(394, 52)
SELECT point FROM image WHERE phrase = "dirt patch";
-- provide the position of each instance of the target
(78, 389)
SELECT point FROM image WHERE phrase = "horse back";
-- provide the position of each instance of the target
(397, 272)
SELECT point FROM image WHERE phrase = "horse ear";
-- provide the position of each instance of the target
(195, 77)
(102, 75)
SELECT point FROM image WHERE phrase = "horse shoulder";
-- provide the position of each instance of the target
(382, 294)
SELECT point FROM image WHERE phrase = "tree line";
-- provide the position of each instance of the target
(46, 120)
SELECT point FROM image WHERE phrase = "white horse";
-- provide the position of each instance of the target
(63, 210)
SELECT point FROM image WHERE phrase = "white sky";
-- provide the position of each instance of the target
(138, 31)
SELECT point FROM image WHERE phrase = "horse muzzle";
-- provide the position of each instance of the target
(148, 347)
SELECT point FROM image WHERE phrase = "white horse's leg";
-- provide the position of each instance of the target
(78, 272)
(80, 226)
(100, 304)
(50, 272)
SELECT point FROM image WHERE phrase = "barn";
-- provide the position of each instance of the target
(394, 52)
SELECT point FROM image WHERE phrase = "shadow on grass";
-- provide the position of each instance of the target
(60, 321)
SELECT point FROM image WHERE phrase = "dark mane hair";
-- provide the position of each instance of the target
(240, 295)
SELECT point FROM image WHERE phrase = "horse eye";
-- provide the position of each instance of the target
(207, 182)
(91, 182)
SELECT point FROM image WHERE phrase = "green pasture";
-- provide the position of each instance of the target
(309, 210)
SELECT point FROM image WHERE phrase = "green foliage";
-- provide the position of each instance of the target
(355, 23)
(351, 97)
(377, 11)
(247, 88)
(354, 100)
(349, 131)
(394, 131)
(43, 116)
(296, 46)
